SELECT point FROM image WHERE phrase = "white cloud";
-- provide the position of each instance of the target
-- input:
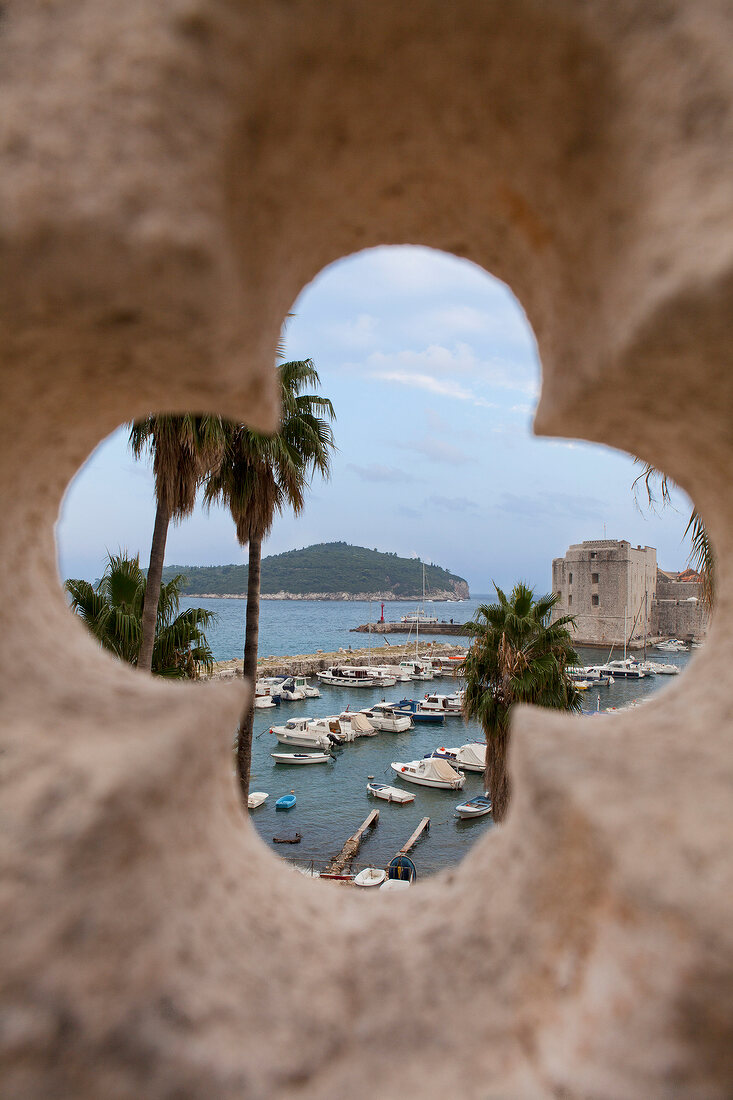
(357, 333)
(442, 387)
(435, 369)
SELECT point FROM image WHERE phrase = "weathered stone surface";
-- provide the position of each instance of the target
(172, 175)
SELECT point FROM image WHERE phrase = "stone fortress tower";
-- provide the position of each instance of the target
(615, 589)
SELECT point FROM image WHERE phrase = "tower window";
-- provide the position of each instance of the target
(594, 601)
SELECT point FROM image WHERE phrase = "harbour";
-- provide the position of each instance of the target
(332, 798)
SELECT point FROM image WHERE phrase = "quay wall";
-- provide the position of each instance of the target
(409, 628)
(308, 664)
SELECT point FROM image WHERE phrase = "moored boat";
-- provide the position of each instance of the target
(347, 676)
(474, 807)
(416, 711)
(389, 794)
(370, 876)
(302, 733)
(301, 757)
(429, 772)
(386, 719)
(286, 802)
(256, 798)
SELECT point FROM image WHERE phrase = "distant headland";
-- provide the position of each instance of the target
(326, 571)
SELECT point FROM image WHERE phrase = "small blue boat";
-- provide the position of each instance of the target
(286, 802)
(413, 708)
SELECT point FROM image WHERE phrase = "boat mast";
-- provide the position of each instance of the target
(625, 610)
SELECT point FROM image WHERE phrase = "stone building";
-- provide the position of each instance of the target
(616, 590)
(609, 586)
(678, 610)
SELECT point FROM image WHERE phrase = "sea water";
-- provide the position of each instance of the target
(332, 800)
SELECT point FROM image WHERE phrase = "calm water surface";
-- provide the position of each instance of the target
(331, 798)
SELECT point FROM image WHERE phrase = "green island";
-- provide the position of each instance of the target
(328, 570)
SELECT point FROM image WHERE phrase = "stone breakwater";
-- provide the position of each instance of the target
(409, 628)
(388, 597)
(308, 664)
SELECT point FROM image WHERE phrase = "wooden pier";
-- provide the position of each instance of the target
(422, 828)
(352, 845)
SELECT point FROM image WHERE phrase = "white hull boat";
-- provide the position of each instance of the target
(430, 772)
(449, 705)
(302, 733)
(353, 677)
(389, 794)
(470, 757)
(296, 688)
(659, 668)
(257, 798)
(300, 757)
(474, 807)
(370, 876)
(386, 719)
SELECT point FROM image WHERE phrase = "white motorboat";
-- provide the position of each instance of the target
(627, 669)
(386, 719)
(415, 670)
(449, 705)
(301, 757)
(472, 757)
(389, 794)
(659, 668)
(474, 807)
(370, 876)
(295, 688)
(346, 676)
(255, 799)
(672, 645)
(430, 772)
(400, 675)
(263, 698)
(302, 733)
(592, 673)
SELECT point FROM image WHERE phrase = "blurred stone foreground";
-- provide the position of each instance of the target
(172, 175)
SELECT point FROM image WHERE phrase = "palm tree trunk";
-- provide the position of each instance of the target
(496, 777)
(152, 588)
(244, 733)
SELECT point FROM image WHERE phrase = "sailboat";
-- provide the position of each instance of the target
(419, 616)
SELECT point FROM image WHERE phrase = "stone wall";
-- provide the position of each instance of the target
(173, 174)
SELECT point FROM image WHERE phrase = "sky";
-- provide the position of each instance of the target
(433, 371)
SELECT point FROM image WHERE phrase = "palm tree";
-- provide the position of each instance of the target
(257, 478)
(516, 656)
(113, 608)
(702, 556)
(184, 449)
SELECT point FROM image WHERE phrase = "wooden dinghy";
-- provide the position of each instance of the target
(256, 798)
(294, 839)
(389, 794)
(370, 876)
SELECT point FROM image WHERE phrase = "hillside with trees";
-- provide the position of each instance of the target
(331, 570)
